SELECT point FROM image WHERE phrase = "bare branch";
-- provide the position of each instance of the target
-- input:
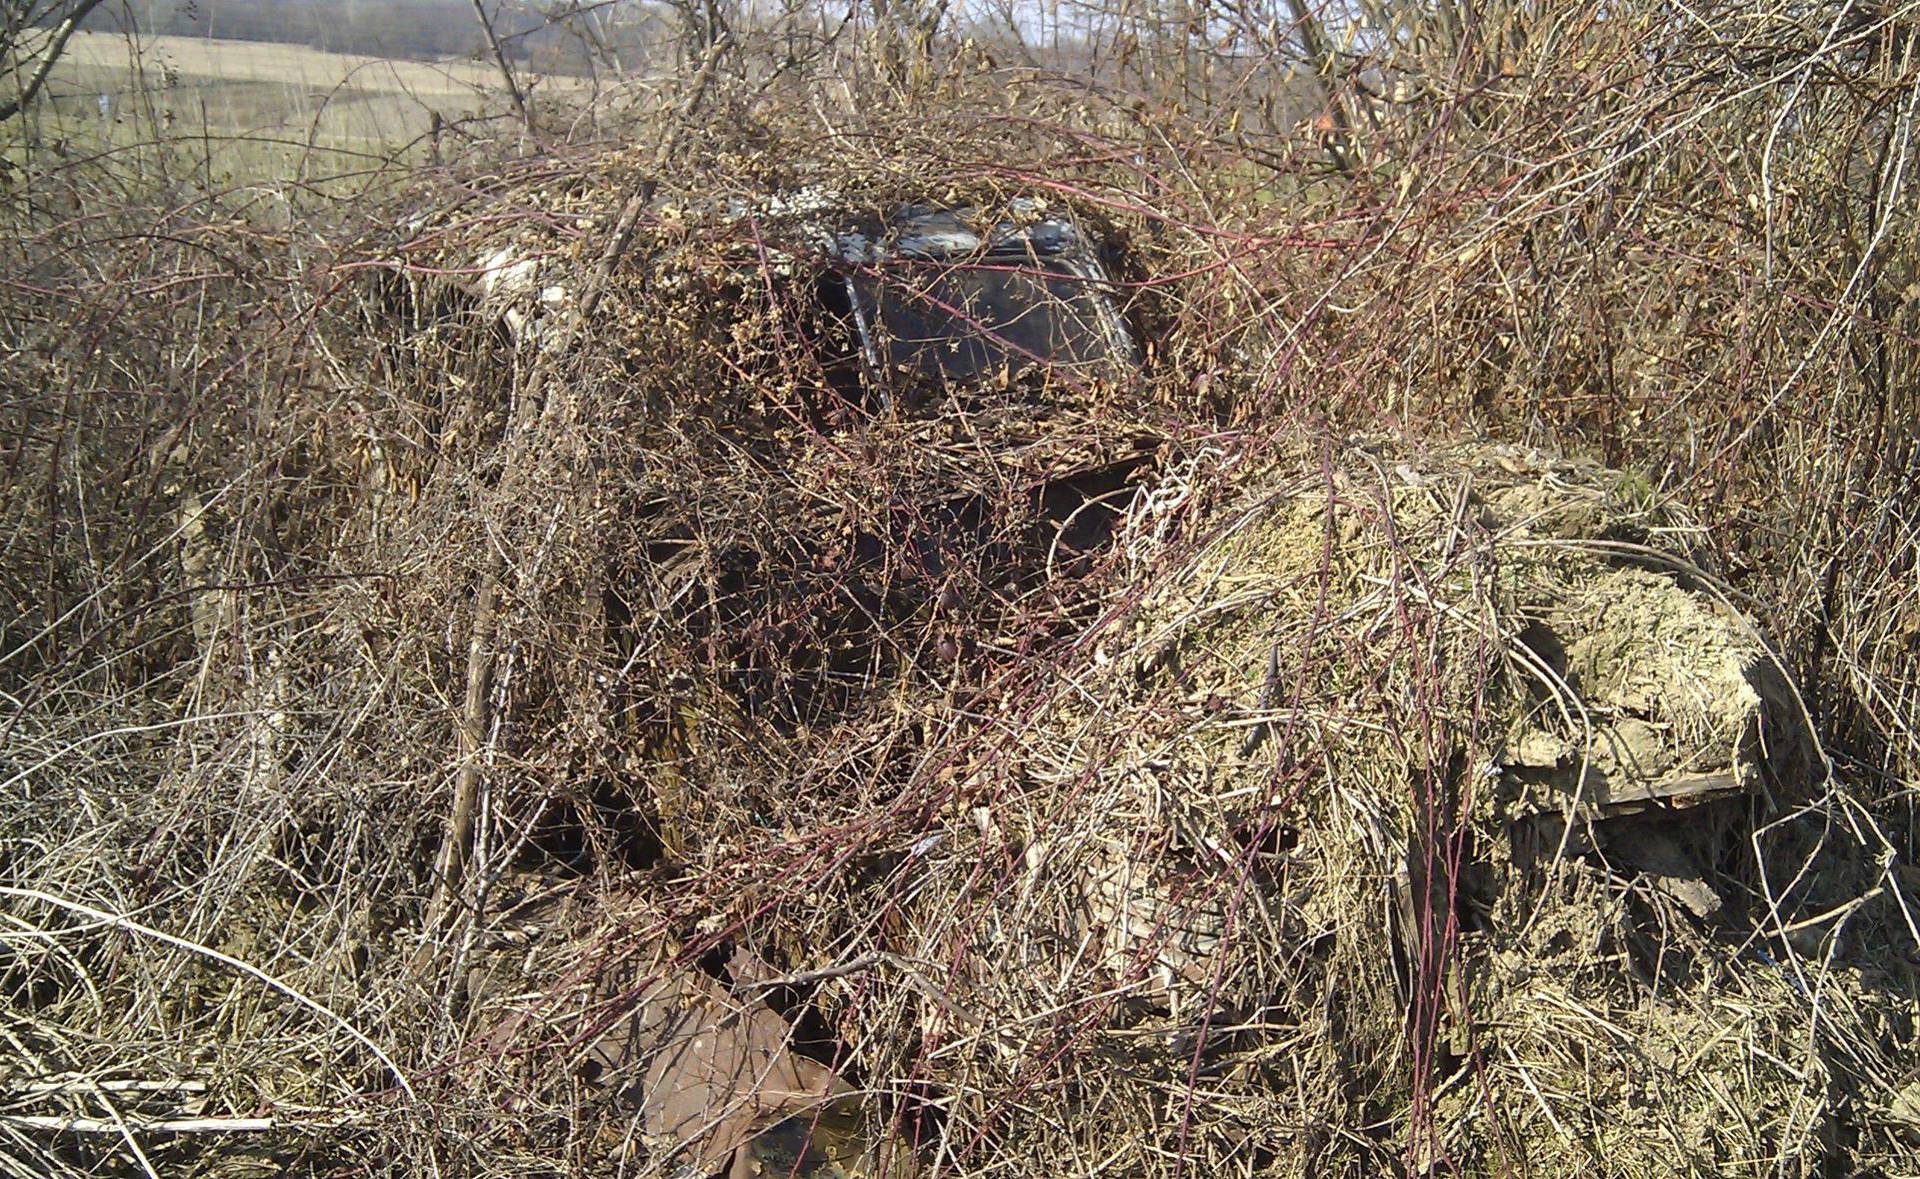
(506, 70)
(56, 45)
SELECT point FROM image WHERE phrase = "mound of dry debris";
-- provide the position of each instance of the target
(1400, 795)
(837, 695)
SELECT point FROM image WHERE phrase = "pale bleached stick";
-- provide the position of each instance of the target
(166, 1126)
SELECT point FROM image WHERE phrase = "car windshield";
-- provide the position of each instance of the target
(962, 323)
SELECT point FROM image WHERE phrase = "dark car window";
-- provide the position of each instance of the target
(944, 322)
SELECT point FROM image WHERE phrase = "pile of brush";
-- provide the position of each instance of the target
(528, 708)
(1329, 802)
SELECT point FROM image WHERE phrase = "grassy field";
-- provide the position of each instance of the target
(257, 110)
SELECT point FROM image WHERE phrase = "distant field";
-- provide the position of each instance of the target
(263, 110)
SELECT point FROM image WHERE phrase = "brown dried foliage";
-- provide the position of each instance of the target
(762, 669)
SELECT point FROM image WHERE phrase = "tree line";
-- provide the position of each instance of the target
(417, 29)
